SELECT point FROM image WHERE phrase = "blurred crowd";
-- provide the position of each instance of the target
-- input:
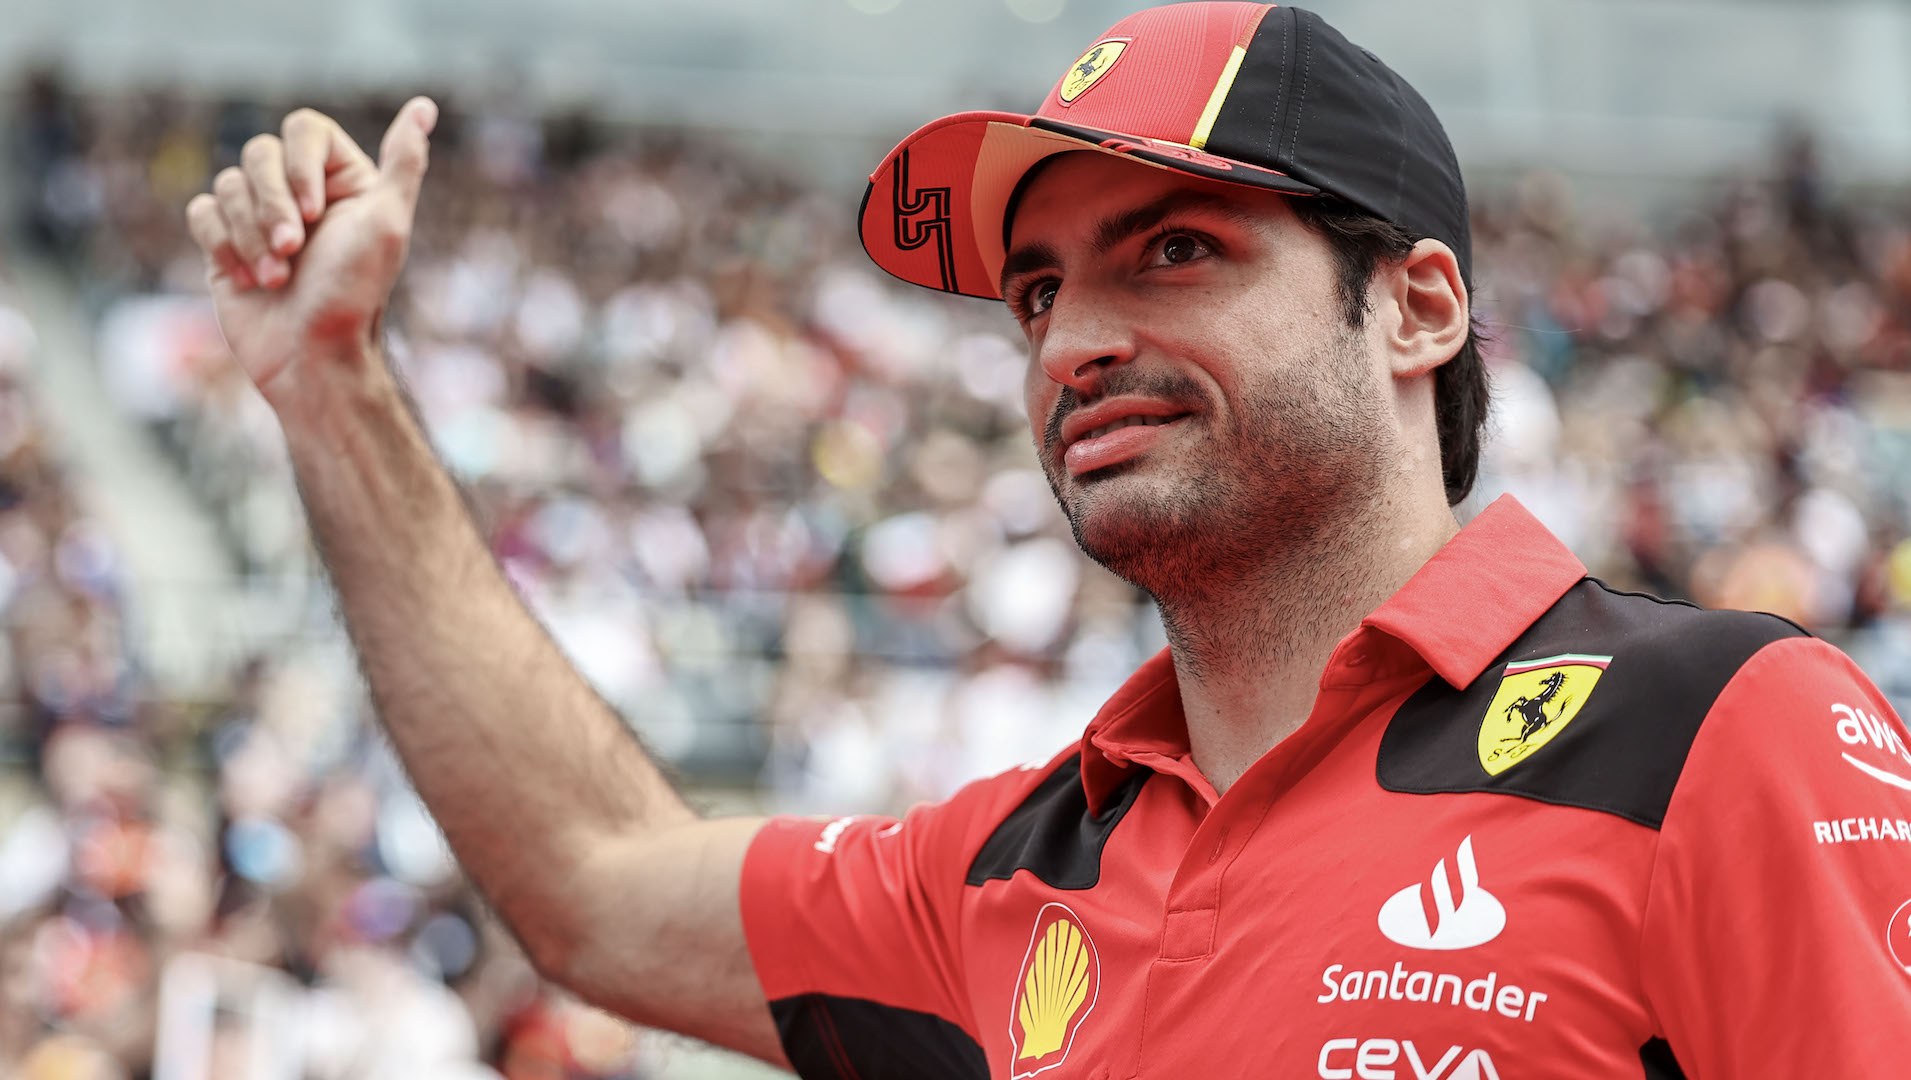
(784, 514)
(225, 888)
(1716, 407)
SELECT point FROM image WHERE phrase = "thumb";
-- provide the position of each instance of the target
(405, 150)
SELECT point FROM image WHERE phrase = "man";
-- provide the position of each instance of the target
(1400, 800)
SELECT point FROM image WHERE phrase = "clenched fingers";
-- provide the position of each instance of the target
(236, 203)
(264, 162)
(315, 147)
(208, 228)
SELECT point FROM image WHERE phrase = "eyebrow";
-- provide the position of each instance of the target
(1115, 228)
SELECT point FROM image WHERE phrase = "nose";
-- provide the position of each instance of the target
(1085, 335)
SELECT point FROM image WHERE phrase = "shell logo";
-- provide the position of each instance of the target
(1054, 992)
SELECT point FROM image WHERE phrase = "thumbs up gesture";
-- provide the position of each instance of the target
(304, 240)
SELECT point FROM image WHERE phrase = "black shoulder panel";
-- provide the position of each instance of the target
(843, 1038)
(1657, 1060)
(1052, 835)
(1624, 748)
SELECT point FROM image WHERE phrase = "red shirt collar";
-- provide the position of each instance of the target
(1461, 609)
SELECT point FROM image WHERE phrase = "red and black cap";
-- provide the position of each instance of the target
(1254, 94)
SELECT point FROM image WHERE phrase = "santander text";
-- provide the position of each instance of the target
(1481, 995)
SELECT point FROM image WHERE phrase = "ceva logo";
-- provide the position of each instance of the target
(1858, 728)
(1477, 918)
(1342, 1059)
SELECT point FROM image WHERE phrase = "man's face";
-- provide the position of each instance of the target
(1198, 402)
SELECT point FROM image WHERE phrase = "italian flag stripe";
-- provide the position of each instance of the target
(1562, 660)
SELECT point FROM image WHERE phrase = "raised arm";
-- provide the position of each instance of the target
(613, 885)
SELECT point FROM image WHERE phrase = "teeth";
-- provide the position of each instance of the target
(1127, 421)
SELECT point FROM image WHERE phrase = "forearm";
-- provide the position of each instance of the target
(519, 760)
(606, 877)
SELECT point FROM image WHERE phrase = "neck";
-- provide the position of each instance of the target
(1249, 653)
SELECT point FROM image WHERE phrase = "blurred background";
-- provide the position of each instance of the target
(782, 510)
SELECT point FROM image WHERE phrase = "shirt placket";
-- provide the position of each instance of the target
(1351, 686)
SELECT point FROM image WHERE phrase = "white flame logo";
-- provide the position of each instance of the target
(1477, 919)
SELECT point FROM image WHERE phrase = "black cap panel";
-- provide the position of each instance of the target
(1253, 124)
(1314, 105)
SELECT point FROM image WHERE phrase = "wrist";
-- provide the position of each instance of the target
(319, 399)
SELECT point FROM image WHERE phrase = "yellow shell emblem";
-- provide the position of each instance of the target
(1055, 991)
(1535, 702)
(1089, 69)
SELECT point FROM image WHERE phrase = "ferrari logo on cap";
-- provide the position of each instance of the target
(1090, 68)
(1536, 700)
(1054, 992)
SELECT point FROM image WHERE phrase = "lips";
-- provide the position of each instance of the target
(1127, 421)
(1115, 431)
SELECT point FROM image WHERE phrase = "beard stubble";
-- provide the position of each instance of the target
(1268, 499)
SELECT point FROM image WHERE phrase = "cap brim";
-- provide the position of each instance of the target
(933, 213)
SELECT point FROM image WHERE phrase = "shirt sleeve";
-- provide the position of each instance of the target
(854, 928)
(1775, 941)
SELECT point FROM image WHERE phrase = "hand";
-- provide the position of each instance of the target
(304, 241)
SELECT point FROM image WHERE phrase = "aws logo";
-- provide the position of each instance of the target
(1090, 68)
(1870, 732)
(1535, 702)
(1055, 991)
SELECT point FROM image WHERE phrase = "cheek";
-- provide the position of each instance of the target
(1038, 397)
(1250, 338)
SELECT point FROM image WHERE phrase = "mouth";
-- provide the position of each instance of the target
(1128, 421)
(1117, 441)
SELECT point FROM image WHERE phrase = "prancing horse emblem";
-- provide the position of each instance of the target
(1535, 700)
(1088, 70)
(1532, 710)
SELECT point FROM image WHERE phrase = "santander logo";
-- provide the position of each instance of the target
(1476, 919)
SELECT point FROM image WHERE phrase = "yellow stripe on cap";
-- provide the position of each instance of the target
(1206, 125)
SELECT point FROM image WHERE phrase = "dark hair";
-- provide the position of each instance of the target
(1362, 243)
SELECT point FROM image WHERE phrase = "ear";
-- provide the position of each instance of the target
(1433, 308)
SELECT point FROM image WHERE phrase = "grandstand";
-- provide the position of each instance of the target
(780, 510)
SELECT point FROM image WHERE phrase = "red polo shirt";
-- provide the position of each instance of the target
(1533, 827)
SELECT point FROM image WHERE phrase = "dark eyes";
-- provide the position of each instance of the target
(1168, 248)
(1177, 248)
(1038, 297)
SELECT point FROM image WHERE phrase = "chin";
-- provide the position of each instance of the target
(1152, 531)
(1192, 534)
